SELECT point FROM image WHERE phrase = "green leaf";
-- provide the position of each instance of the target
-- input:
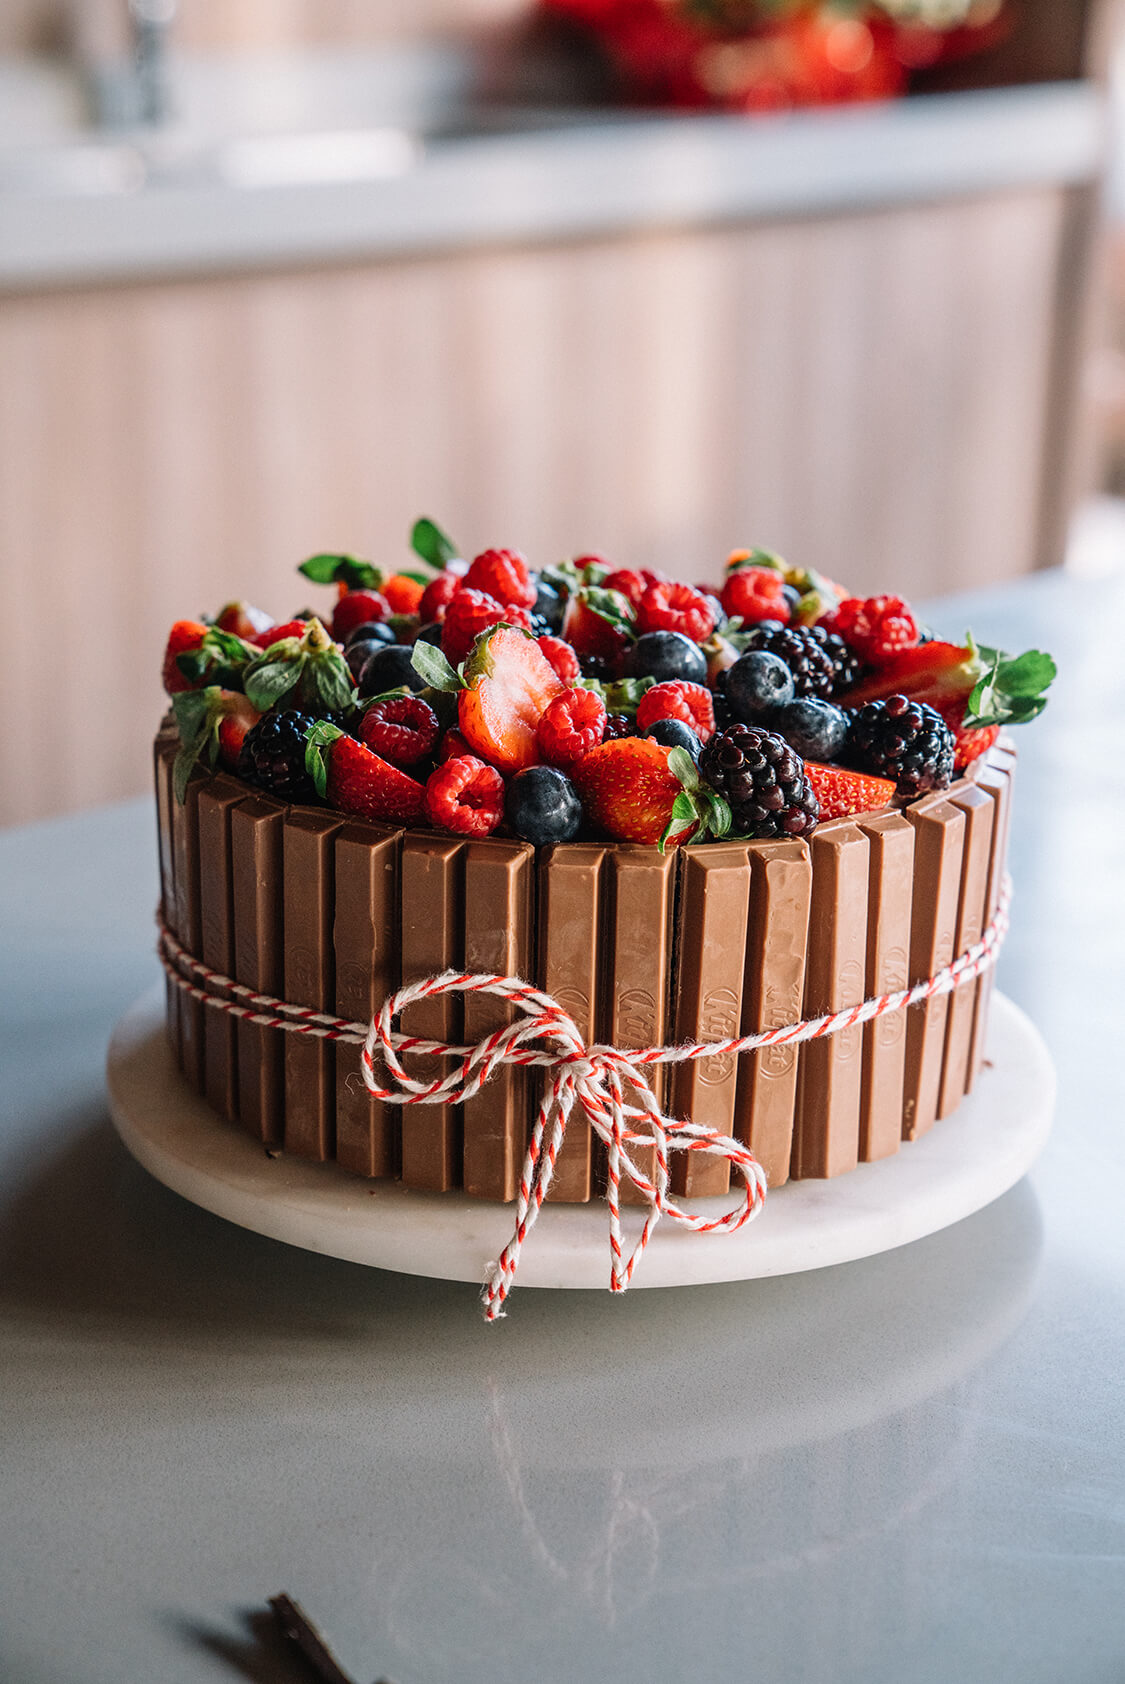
(757, 558)
(429, 663)
(1028, 674)
(593, 573)
(317, 744)
(190, 708)
(621, 695)
(342, 569)
(267, 683)
(416, 574)
(331, 683)
(682, 766)
(193, 663)
(716, 812)
(435, 546)
(684, 813)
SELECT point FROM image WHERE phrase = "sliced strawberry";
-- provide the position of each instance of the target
(243, 620)
(354, 780)
(509, 683)
(842, 793)
(233, 726)
(988, 686)
(969, 742)
(185, 636)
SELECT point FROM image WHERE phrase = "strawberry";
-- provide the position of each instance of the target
(186, 635)
(678, 699)
(505, 575)
(639, 791)
(676, 607)
(276, 634)
(212, 724)
(404, 593)
(561, 657)
(570, 727)
(968, 744)
(465, 796)
(598, 622)
(509, 682)
(356, 608)
(842, 793)
(436, 596)
(877, 627)
(756, 593)
(988, 686)
(354, 780)
(243, 620)
(471, 612)
(233, 726)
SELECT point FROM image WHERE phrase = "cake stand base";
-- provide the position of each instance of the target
(962, 1164)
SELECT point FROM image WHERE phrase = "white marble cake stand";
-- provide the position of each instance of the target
(958, 1167)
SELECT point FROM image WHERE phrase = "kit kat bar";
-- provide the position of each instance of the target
(217, 799)
(499, 885)
(939, 836)
(997, 779)
(714, 902)
(569, 943)
(979, 810)
(163, 755)
(257, 827)
(308, 860)
(185, 854)
(367, 970)
(890, 880)
(432, 922)
(772, 994)
(640, 895)
(829, 1085)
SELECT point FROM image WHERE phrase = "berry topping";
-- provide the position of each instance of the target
(842, 793)
(804, 653)
(185, 636)
(371, 631)
(673, 733)
(504, 575)
(689, 703)
(470, 612)
(991, 688)
(629, 790)
(244, 620)
(666, 655)
(598, 622)
(270, 635)
(356, 609)
(676, 607)
(309, 670)
(876, 627)
(273, 755)
(902, 740)
(403, 593)
(451, 745)
(388, 669)
(762, 780)
(213, 725)
(437, 595)
(815, 728)
(571, 726)
(509, 682)
(969, 743)
(619, 725)
(549, 604)
(758, 684)
(756, 593)
(628, 583)
(354, 780)
(465, 796)
(561, 657)
(542, 806)
(403, 729)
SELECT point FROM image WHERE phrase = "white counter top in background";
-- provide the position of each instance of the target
(182, 211)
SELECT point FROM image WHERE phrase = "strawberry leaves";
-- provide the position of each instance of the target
(435, 547)
(347, 570)
(309, 669)
(429, 663)
(199, 713)
(220, 659)
(1011, 689)
(696, 805)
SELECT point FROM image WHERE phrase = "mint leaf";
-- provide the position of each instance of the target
(684, 813)
(267, 683)
(342, 569)
(429, 663)
(190, 708)
(332, 684)
(1028, 674)
(435, 546)
(320, 739)
(682, 766)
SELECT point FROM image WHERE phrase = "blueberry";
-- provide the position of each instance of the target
(371, 631)
(673, 733)
(542, 806)
(758, 684)
(387, 669)
(666, 655)
(358, 654)
(814, 728)
(550, 604)
(430, 633)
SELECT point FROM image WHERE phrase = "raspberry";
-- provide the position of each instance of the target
(689, 703)
(570, 727)
(505, 575)
(676, 607)
(628, 582)
(465, 796)
(402, 729)
(763, 780)
(469, 612)
(756, 593)
(876, 627)
(355, 609)
(436, 597)
(561, 657)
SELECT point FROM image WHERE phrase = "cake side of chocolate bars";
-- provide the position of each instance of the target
(701, 943)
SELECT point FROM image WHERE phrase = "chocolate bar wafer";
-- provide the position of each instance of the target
(499, 885)
(432, 922)
(714, 901)
(772, 994)
(939, 837)
(366, 939)
(826, 1132)
(185, 853)
(257, 826)
(307, 866)
(640, 896)
(997, 779)
(163, 755)
(890, 886)
(570, 879)
(979, 810)
(216, 909)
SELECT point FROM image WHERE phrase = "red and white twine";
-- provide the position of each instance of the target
(607, 1084)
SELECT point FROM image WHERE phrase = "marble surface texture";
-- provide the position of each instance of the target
(909, 1467)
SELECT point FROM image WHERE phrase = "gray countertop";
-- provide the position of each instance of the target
(92, 207)
(911, 1467)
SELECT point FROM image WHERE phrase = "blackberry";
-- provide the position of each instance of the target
(619, 725)
(804, 652)
(763, 781)
(907, 741)
(847, 666)
(273, 755)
